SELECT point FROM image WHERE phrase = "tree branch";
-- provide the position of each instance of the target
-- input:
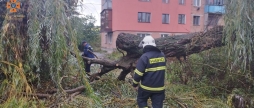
(80, 88)
(173, 46)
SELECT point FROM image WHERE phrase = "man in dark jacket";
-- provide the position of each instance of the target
(87, 53)
(150, 74)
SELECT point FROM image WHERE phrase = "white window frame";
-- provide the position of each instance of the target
(195, 3)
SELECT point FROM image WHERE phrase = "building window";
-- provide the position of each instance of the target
(109, 38)
(143, 34)
(196, 20)
(144, 17)
(164, 35)
(215, 2)
(165, 1)
(197, 3)
(213, 19)
(107, 4)
(218, 2)
(165, 18)
(181, 2)
(181, 19)
(144, 0)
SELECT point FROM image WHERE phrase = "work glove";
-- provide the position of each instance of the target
(90, 48)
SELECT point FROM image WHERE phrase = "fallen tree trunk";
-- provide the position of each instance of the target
(174, 46)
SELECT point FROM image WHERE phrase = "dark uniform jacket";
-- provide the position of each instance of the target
(150, 70)
(87, 52)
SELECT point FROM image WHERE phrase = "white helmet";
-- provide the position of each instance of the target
(148, 40)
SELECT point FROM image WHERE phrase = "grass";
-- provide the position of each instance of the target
(204, 88)
(193, 84)
(120, 94)
(198, 92)
(114, 93)
(115, 55)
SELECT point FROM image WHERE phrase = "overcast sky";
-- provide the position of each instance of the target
(91, 7)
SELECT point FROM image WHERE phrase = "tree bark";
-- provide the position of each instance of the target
(174, 46)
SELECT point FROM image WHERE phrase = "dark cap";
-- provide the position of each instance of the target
(83, 42)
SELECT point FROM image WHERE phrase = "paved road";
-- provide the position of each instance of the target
(100, 55)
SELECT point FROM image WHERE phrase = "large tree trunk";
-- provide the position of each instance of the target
(175, 46)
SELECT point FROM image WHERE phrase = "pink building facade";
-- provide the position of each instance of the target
(197, 15)
(159, 18)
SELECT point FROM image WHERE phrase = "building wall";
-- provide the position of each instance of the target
(112, 45)
(217, 8)
(221, 21)
(125, 15)
(198, 11)
(215, 2)
(125, 18)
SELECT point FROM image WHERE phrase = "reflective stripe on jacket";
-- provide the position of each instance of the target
(150, 70)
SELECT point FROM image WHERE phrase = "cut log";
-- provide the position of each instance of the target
(174, 46)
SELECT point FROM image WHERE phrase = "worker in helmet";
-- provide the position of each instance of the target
(150, 74)
(87, 53)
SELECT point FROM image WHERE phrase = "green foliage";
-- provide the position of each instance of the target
(201, 89)
(193, 83)
(115, 93)
(86, 30)
(205, 80)
(239, 31)
(2, 11)
(51, 41)
(38, 53)
(115, 55)
(21, 103)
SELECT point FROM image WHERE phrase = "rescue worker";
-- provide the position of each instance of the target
(87, 53)
(150, 74)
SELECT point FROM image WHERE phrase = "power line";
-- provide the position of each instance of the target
(92, 3)
(95, 8)
(82, 6)
(87, 7)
